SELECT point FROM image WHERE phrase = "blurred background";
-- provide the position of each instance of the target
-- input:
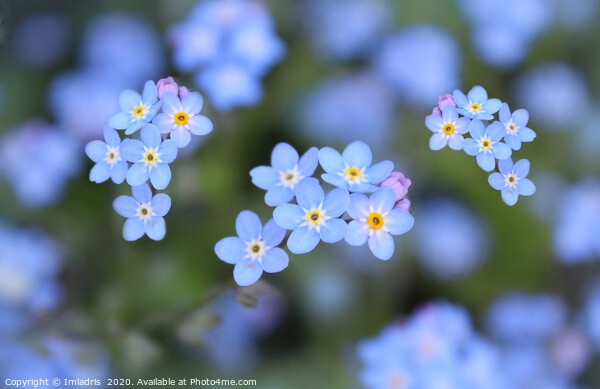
(76, 300)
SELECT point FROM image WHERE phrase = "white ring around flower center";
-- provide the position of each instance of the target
(511, 128)
(256, 249)
(151, 157)
(145, 211)
(290, 178)
(510, 179)
(112, 155)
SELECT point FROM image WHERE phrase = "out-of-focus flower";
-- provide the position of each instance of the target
(344, 29)
(136, 110)
(144, 213)
(511, 180)
(554, 94)
(589, 317)
(315, 218)
(107, 157)
(515, 125)
(485, 144)
(342, 107)
(42, 39)
(410, 62)
(476, 104)
(447, 129)
(287, 171)
(352, 169)
(38, 161)
(254, 249)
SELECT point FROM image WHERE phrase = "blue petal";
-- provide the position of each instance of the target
(399, 222)
(275, 260)
(504, 114)
(150, 136)
(309, 194)
(288, 216)
(272, 234)
(119, 172)
(132, 150)
(334, 180)
(520, 117)
(168, 151)
(449, 114)
(160, 204)
(460, 99)
(476, 129)
(264, 177)
(246, 272)
(462, 125)
(379, 172)
(125, 206)
(483, 116)
(160, 176)
(100, 172)
(248, 226)
(170, 103)
(111, 136)
(471, 147)
(358, 207)
(150, 94)
(381, 244)
(491, 106)
(96, 150)
(526, 134)
(133, 229)
(521, 168)
(505, 166)
(151, 114)
(510, 196)
(513, 141)
(278, 194)
(333, 230)
(383, 199)
(129, 99)
(437, 141)
(192, 103)
(455, 141)
(181, 136)
(434, 123)
(137, 174)
(230, 249)
(308, 162)
(497, 181)
(357, 154)
(200, 125)
(495, 131)
(284, 157)
(156, 228)
(120, 120)
(303, 240)
(357, 233)
(134, 126)
(477, 94)
(525, 187)
(486, 161)
(336, 202)
(164, 123)
(362, 187)
(142, 193)
(502, 150)
(330, 160)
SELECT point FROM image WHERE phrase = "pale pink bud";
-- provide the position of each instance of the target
(445, 100)
(403, 204)
(183, 91)
(398, 183)
(166, 85)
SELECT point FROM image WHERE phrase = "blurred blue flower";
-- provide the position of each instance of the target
(181, 118)
(554, 94)
(136, 110)
(447, 129)
(340, 108)
(144, 213)
(315, 218)
(42, 39)
(499, 45)
(107, 157)
(38, 161)
(450, 254)
(344, 29)
(352, 169)
(420, 62)
(589, 317)
(254, 249)
(476, 104)
(376, 221)
(511, 180)
(485, 144)
(515, 125)
(287, 171)
(150, 157)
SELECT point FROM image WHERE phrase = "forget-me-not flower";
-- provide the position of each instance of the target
(476, 104)
(254, 250)
(511, 180)
(447, 129)
(375, 220)
(109, 163)
(287, 171)
(485, 145)
(136, 110)
(144, 213)
(150, 157)
(315, 218)
(515, 126)
(181, 118)
(352, 169)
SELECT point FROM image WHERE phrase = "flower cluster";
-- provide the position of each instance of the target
(230, 45)
(485, 143)
(317, 216)
(167, 116)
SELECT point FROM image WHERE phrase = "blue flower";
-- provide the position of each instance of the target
(352, 169)
(515, 127)
(485, 145)
(375, 220)
(447, 129)
(255, 250)
(280, 180)
(511, 180)
(150, 158)
(315, 218)
(144, 213)
(109, 163)
(136, 110)
(181, 118)
(46, 52)
(476, 105)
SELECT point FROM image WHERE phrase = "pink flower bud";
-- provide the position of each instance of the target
(183, 91)
(398, 183)
(165, 85)
(436, 111)
(403, 205)
(445, 100)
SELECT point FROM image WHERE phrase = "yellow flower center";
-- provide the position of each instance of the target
(448, 129)
(150, 157)
(181, 118)
(474, 107)
(144, 211)
(289, 178)
(485, 144)
(353, 174)
(139, 111)
(375, 221)
(314, 217)
(511, 180)
(255, 249)
(396, 381)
